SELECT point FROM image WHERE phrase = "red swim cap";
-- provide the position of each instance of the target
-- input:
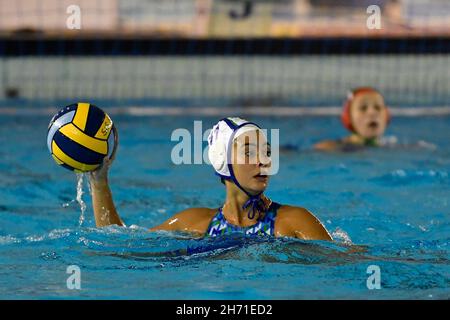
(346, 116)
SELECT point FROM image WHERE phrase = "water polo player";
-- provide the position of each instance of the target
(240, 155)
(366, 116)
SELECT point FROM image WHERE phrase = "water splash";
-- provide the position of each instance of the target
(413, 177)
(341, 236)
(389, 141)
(67, 204)
(8, 239)
(393, 141)
(79, 198)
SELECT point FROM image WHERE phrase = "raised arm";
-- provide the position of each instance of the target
(102, 201)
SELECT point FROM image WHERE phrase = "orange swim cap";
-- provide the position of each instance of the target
(346, 116)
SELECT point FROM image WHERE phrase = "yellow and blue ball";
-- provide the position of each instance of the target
(80, 136)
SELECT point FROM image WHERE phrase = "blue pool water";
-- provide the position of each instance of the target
(393, 203)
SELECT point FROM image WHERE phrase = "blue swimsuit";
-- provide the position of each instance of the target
(220, 226)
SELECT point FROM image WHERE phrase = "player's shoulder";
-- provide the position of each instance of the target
(197, 213)
(192, 220)
(195, 219)
(288, 213)
(301, 223)
(327, 145)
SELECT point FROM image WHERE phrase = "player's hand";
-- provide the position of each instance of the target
(100, 175)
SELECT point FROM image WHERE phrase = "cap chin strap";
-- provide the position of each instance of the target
(254, 201)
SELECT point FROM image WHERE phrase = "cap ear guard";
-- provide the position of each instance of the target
(217, 152)
(345, 115)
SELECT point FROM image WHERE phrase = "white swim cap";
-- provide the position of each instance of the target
(219, 140)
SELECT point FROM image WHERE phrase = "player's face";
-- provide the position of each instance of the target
(369, 115)
(251, 161)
